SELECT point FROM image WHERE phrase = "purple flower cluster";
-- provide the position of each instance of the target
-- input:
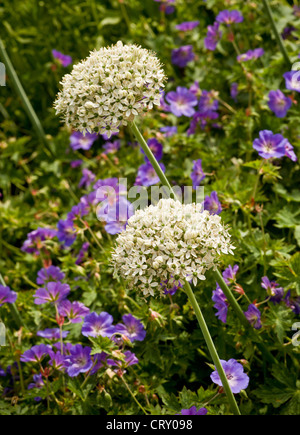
(221, 304)
(35, 239)
(146, 175)
(253, 316)
(66, 231)
(87, 178)
(187, 25)
(77, 359)
(214, 33)
(111, 147)
(250, 55)
(64, 59)
(182, 56)
(270, 145)
(207, 110)
(113, 207)
(213, 36)
(274, 291)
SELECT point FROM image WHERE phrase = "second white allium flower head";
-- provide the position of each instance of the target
(166, 244)
(110, 88)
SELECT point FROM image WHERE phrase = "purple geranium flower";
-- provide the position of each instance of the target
(82, 253)
(237, 379)
(53, 292)
(112, 147)
(250, 55)
(80, 141)
(193, 411)
(187, 25)
(76, 163)
(221, 304)
(52, 334)
(212, 203)
(197, 174)
(229, 17)
(270, 145)
(234, 91)
(37, 382)
(156, 148)
(75, 311)
(147, 175)
(292, 80)
(36, 353)
(183, 55)
(273, 290)
(169, 131)
(130, 359)
(52, 273)
(182, 102)
(64, 59)
(7, 296)
(57, 360)
(132, 328)
(289, 152)
(33, 243)
(253, 316)
(66, 232)
(208, 104)
(292, 302)
(279, 103)
(98, 324)
(212, 37)
(229, 274)
(87, 178)
(79, 360)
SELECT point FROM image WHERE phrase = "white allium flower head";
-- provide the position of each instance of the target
(110, 88)
(164, 245)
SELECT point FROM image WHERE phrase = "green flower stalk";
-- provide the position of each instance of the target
(22, 94)
(276, 33)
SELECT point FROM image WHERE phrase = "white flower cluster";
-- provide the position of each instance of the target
(109, 88)
(166, 244)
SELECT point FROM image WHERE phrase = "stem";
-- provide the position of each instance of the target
(239, 312)
(133, 396)
(22, 94)
(212, 350)
(276, 33)
(134, 129)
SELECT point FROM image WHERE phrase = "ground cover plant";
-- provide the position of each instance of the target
(149, 207)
